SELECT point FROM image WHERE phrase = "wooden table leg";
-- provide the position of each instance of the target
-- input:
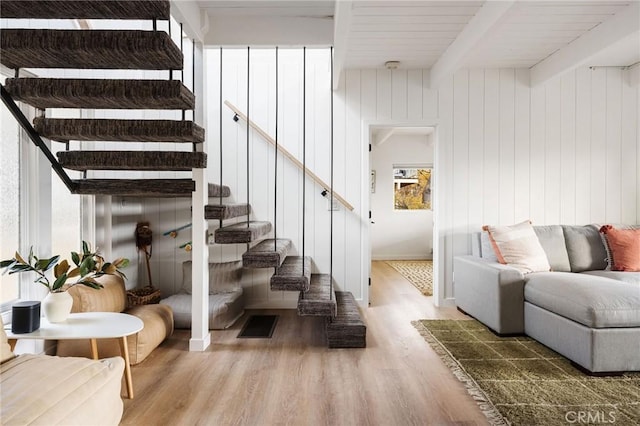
(94, 348)
(12, 344)
(127, 366)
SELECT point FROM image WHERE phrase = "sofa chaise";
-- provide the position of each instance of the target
(582, 310)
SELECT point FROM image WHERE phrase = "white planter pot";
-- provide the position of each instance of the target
(57, 306)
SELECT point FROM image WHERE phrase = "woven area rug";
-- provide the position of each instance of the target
(518, 381)
(417, 272)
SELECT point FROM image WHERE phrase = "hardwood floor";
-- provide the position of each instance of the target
(294, 379)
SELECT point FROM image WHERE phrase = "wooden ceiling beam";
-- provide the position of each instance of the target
(483, 22)
(621, 25)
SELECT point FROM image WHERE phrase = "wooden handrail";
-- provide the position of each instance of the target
(287, 154)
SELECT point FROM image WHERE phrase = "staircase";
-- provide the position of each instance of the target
(145, 50)
(105, 50)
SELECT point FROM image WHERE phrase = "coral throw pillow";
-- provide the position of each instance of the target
(624, 248)
(518, 246)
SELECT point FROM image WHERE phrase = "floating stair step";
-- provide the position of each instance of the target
(132, 160)
(289, 276)
(265, 255)
(77, 129)
(318, 301)
(101, 94)
(159, 188)
(346, 330)
(89, 49)
(226, 211)
(85, 9)
(241, 233)
(216, 190)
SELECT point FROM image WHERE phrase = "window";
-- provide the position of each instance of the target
(9, 200)
(412, 188)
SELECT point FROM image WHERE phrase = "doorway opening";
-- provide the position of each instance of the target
(402, 203)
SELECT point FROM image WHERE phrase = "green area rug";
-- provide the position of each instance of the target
(417, 272)
(518, 381)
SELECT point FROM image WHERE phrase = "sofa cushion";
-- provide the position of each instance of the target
(593, 301)
(111, 298)
(584, 248)
(223, 277)
(552, 241)
(622, 247)
(224, 309)
(518, 246)
(627, 277)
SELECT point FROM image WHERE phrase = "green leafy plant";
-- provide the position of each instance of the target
(89, 265)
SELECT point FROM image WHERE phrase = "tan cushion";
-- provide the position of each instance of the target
(158, 325)
(223, 277)
(111, 298)
(45, 390)
(5, 350)
(518, 246)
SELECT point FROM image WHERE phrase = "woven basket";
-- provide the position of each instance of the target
(143, 296)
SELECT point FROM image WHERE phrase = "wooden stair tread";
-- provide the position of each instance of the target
(159, 188)
(319, 300)
(290, 277)
(226, 211)
(240, 233)
(101, 94)
(89, 49)
(85, 9)
(82, 129)
(217, 191)
(263, 255)
(346, 330)
(132, 160)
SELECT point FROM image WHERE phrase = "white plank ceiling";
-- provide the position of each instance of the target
(417, 33)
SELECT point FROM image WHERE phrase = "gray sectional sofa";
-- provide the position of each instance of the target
(581, 310)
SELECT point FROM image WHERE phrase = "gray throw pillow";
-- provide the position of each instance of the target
(551, 238)
(223, 277)
(584, 247)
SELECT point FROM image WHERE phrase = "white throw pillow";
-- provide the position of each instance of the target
(518, 246)
(223, 277)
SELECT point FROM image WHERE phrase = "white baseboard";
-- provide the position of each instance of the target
(199, 345)
(449, 302)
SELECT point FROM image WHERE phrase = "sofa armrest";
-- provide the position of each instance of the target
(491, 292)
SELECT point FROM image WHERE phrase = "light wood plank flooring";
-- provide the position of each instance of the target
(294, 379)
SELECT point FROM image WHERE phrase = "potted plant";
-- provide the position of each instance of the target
(89, 265)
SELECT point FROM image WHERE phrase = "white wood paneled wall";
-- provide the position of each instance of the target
(565, 152)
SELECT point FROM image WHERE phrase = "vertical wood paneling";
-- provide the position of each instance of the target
(383, 97)
(613, 174)
(399, 95)
(368, 83)
(598, 145)
(429, 97)
(507, 145)
(630, 150)
(460, 181)
(491, 210)
(537, 150)
(552, 153)
(568, 149)
(522, 133)
(583, 146)
(414, 94)
(476, 149)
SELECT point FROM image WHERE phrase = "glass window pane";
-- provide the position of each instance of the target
(9, 199)
(412, 188)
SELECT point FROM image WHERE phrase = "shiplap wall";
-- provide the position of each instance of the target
(566, 152)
